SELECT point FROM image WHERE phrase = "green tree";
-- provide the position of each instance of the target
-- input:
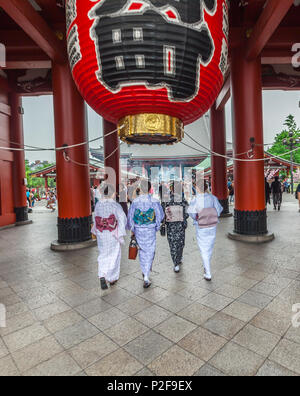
(279, 148)
(37, 182)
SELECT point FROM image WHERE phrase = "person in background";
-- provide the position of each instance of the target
(110, 230)
(276, 190)
(205, 209)
(144, 221)
(268, 192)
(92, 192)
(231, 192)
(298, 195)
(176, 222)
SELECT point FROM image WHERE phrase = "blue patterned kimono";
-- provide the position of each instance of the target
(144, 219)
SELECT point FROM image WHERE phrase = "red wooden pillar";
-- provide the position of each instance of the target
(250, 205)
(73, 180)
(46, 184)
(111, 153)
(219, 164)
(19, 173)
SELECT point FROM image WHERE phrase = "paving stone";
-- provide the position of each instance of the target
(36, 353)
(93, 308)
(272, 322)
(155, 294)
(8, 367)
(22, 338)
(174, 303)
(231, 360)
(59, 366)
(257, 340)
(18, 322)
(144, 373)
(118, 363)
(107, 319)
(126, 331)
(3, 349)
(117, 297)
(175, 328)
(241, 311)
(216, 301)
(230, 291)
(209, 371)
(61, 321)
(92, 350)
(202, 343)
(224, 325)
(75, 334)
(148, 346)
(176, 362)
(255, 299)
(153, 316)
(287, 354)
(197, 313)
(268, 289)
(134, 305)
(48, 311)
(272, 369)
(193, 293)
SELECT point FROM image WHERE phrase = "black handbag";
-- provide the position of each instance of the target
(163, 230)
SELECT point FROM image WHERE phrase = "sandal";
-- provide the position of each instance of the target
(103, 284)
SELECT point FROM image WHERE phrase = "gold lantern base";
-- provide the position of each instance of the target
(150, 129)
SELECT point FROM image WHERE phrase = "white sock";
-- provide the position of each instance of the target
(146, 278)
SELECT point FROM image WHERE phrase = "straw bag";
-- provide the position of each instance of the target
(133, 249)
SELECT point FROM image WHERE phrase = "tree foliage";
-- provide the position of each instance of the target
(37, 182)
(279, 148)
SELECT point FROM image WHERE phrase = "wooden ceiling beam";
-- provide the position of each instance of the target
(22, 12)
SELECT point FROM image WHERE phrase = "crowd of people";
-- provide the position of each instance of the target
(147, 216)
(275, 189)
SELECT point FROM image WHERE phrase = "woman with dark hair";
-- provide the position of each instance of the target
(144, 221)
(205, 209)
(110, 230)
(176, 222)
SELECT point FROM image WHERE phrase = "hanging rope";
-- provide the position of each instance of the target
(34, 148)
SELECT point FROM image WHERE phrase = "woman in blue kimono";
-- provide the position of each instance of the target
(144, 220)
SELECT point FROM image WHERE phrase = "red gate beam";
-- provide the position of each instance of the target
(265, 27)
(35, 26)
(224, 95)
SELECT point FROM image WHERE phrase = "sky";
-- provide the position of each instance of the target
(39, 120)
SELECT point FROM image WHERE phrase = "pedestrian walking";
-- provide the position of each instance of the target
(205, 209)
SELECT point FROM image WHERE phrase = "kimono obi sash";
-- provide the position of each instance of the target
(174, 214)
(144, 218)
(109, 224)
(208, 218)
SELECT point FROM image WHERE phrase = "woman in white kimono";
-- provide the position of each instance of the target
(110, 230)
(205, 209)
(144, 220)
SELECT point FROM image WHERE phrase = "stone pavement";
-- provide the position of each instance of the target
(60, 323)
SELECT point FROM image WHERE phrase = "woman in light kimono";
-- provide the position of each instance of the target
(205, 209)
(144, 220)
(176, 222)
(110, 230)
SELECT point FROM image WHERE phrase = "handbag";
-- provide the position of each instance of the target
(163, 230)
(133, 249)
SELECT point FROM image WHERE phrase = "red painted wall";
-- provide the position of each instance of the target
(7, 215)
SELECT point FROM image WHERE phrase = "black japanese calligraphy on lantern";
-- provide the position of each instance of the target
(145, 47)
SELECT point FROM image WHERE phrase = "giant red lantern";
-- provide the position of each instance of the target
(150, 66)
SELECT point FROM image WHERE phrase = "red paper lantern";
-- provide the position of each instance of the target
(150, 66)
